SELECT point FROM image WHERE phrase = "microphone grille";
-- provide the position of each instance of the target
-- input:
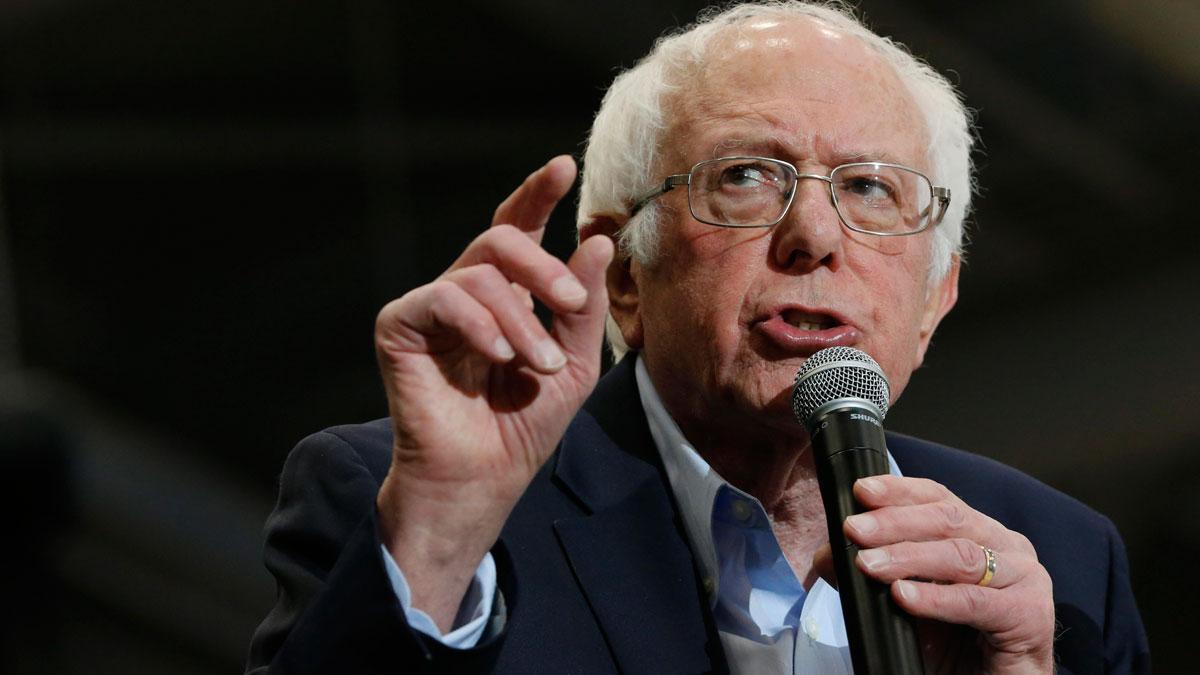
(838, 373)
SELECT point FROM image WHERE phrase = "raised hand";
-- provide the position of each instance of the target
(929, 545)
(479, 392)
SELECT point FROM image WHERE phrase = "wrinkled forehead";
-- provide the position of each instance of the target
(802, 72)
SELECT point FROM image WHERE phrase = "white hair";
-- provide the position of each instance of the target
(626, 138)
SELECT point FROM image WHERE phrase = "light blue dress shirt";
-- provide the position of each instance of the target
(767, 621)
(473, 612)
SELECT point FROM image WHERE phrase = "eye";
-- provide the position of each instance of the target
(869, 189)
(748, 176)
(742, 176)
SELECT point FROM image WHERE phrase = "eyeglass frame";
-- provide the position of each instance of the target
(937, 194)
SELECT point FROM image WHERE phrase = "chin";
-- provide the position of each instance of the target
(770, 401)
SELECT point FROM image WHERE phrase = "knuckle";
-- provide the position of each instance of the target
(933, 487)
(497, 239)
(1022, 543)
(967, 556)
(1046, 583)
(506, 247)
(531, 179)
(953, 515)
(972, 599)
(478, 325)
(392, 309)
(501, 210)
(442, 291)
(902, 560)
(503, 233)
(482, 275)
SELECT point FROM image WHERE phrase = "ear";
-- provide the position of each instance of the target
(940, 299)
(621, 279)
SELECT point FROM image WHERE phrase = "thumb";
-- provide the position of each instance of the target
(581, 332)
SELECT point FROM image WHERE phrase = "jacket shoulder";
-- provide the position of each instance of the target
(1004, 493)
(368, 444)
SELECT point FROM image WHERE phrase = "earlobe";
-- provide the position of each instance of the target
(940, 301)
(621, 281)
(624, 300)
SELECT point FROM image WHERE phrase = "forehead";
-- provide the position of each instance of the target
(794, 87)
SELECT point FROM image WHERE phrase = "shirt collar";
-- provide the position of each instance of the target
(694, 483)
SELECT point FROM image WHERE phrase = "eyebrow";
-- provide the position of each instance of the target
(885, 157)
(764, 145)
(773, 146)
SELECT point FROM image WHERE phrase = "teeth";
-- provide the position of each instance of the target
(806, 321)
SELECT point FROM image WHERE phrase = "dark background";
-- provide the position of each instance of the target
(205, 204)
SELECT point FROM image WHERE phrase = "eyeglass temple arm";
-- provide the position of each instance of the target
(942, 196)
(669, 184)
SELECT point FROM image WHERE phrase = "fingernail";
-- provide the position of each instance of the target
(549, 355)
(503, 349)
(567, 289)
(863, 523)
(872, 485)
(874, 558)
(907, 590)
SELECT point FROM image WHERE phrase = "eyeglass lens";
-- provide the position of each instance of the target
(754, 192)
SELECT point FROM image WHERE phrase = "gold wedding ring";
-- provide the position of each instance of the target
(989, 569)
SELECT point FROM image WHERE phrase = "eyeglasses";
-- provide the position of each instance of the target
(870, 197)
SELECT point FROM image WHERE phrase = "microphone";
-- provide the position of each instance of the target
(841, 395)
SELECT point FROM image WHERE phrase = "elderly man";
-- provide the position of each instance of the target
(779, 180)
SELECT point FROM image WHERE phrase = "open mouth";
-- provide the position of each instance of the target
(808, 321)
(799, 331)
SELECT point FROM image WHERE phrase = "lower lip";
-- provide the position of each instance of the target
(802, 342)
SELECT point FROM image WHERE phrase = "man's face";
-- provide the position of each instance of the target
(725, 317)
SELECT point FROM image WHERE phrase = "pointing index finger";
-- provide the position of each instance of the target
(529, 207)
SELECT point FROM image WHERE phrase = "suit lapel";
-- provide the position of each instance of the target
(640, 586)
(628, 553)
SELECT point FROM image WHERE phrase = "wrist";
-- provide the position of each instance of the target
(438, 540)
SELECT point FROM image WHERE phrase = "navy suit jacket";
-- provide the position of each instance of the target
(595, 569)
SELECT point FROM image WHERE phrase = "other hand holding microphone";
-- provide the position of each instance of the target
(941, 558)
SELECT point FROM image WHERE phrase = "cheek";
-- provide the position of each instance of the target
(895, 270)
(673, 310)
(895, 273)
(890, 248)
(693, 297)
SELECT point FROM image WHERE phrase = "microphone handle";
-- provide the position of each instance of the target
(882, 636)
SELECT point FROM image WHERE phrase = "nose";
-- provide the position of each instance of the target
(810, 234)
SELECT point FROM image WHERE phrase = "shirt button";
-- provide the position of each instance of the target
(742, 510)
(811, 629)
